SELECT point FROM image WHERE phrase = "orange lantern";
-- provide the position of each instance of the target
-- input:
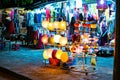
(62, 25)
(93, 25)
(45, 24)
(64, 57)
(58, 54)
(56, 24)
(44, 39)
(73, 48)
(51, 40)
(50, 26)
(63, 41)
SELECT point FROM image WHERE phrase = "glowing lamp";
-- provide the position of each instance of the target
(44, 39)
(76, 24)
(84, 25)
(93, 25)
(51, 40)
(58, 54)
(54, 54)
(49, 51)
(45, 24)
(56, 38)
(50, 26)
(56, 24)
(63, 41)
(62, 25)
(64, 57)
(45, 54)
(79, 49)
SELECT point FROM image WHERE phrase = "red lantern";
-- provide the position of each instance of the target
(84, 25)
(76, 24)
(54, 62)
(54, 54)
(88, 25)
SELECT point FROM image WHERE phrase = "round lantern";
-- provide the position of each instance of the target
(54, 62)
(58, 54)
(45, 54)
(93, 25)
(44, 39)
(51, 40)
(62, 25)
(56, 38)
(84, 24)
(56, 24)
(54, 54)
(50, 26)
(76, 24)
(64, 57)
(49, 51)
(45, 23)
(63, 41)
(73, 48)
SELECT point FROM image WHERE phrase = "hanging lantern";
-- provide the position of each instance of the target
(64, 57)
(73, 48)
(45, 54)
(93, 25)
(49, 51)
(84, 24)
(76, 24)
(54, 62)
(56, 24)
(54, 54)
(51, 26)
(51, 40)
(62, 25)
(58, 54)
(88, 25)
(63, 41)
(45, 24)
(56, 38)
(44, 39)
(79, 49)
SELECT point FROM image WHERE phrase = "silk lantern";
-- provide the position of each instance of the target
(62, 25)
(76, 24)
(45, 24)
(64, 57)
(63, 41)
(49, 51)
(54, 54)
(56, 24)
(58, 54)
(54, 62)
(44, 39)
(56, 38)
(50, 26)
(51, 40)
(45, 54)
(93, 25)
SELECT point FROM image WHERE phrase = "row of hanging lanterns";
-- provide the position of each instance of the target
(54, 39)
(54, 25)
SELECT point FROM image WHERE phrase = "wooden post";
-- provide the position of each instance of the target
(116, 71)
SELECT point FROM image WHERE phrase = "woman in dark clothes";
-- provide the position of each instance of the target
(72, 28)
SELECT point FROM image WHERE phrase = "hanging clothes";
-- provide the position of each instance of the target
(35, 18)
(48, 14)
(11, 28)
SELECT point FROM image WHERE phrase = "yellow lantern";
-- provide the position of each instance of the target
(45, 54)
(50, 26)
(58, 54)
(45, 24)
(93, 25)
(56, 38)
(51, 40)
(44, 39)
(56, 24)
(63, 25)
(63, 41)
(64, 57)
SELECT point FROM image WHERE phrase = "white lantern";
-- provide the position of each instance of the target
(56, 38)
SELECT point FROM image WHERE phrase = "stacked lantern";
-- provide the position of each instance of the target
(55, 56)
